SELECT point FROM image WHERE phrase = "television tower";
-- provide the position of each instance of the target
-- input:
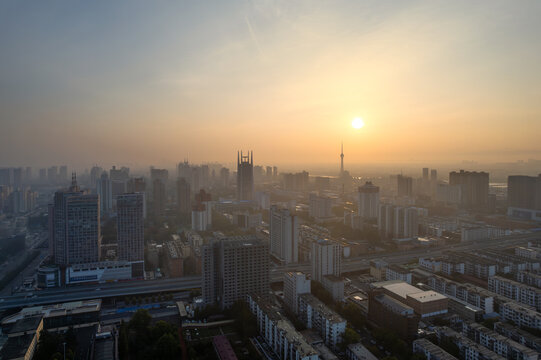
(342, 160)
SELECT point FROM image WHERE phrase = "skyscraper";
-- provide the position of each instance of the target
(404, 185)
(406, 223)
(52, 175)
(224, 177)
(326, 259)
(398, 222)
(63, 174)
(184, 196)
(320, 207)
(524, 192)
(434, 176)
(425, 175)
(245, 176)
(233, 268)
(130, 230)
(76, 226)
(95, 174)
(136, 184)
(474, 187)
(119, 179)
(386, 220)
(161, 174)
(104, 190)
(159, 196)
(284, 235)
(368, 201)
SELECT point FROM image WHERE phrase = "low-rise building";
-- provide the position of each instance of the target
(389, 313)
(468, 293)
(378, 269)
(529, 278)
(521, 293)
(359, 352)
(521, 315)
(497, 343)
(396, 272)
(279, 333)
(469, 349)
(521, 336)
(319, 317)
(424, 303)
(430, 351)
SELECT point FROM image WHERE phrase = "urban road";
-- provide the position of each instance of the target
(141, 287)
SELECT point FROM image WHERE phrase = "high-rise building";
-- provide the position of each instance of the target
(95, 174)
(368, 201)
(405, 185)
(202, 211)
(425, 175)
(295, 284)
(104, 190)
(474, 187)
(184, 170)
(268, 172)
(326, 259)
(398, 222)
(204, 177)
(434, 176)
(18, 178)
(284, 235)
(43, 176)
(320, 207)
(76, 226)
(52, 175)
(224, 178)
(63, 174)
(245, 176)
(386, 220)
(184, 196)
(159, 174)
(6, 176)
(159, 196)
(233, 268)
(406, 223)
(136, 184)
(28, 175)
(524, 192)
(119, 179)
(130, 231)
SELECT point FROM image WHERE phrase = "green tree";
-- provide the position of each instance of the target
(350, 337)
(167, 347)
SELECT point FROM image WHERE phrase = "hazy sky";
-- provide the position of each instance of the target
(144, 82)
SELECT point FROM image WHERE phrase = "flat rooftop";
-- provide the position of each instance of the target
(427, 296)
(74, 307)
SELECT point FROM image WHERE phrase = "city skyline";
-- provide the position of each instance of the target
(139, 84)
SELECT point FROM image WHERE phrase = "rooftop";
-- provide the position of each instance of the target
(325, 311)
(75, 307)
(223, 348)
(361, 352)
(27, 324)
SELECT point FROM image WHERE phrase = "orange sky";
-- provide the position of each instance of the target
(145, 84)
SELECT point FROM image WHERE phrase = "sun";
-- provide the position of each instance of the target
(357, 123)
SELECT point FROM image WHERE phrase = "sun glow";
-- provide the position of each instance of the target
(357, 123)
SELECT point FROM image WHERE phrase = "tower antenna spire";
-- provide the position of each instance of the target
(342, 159)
